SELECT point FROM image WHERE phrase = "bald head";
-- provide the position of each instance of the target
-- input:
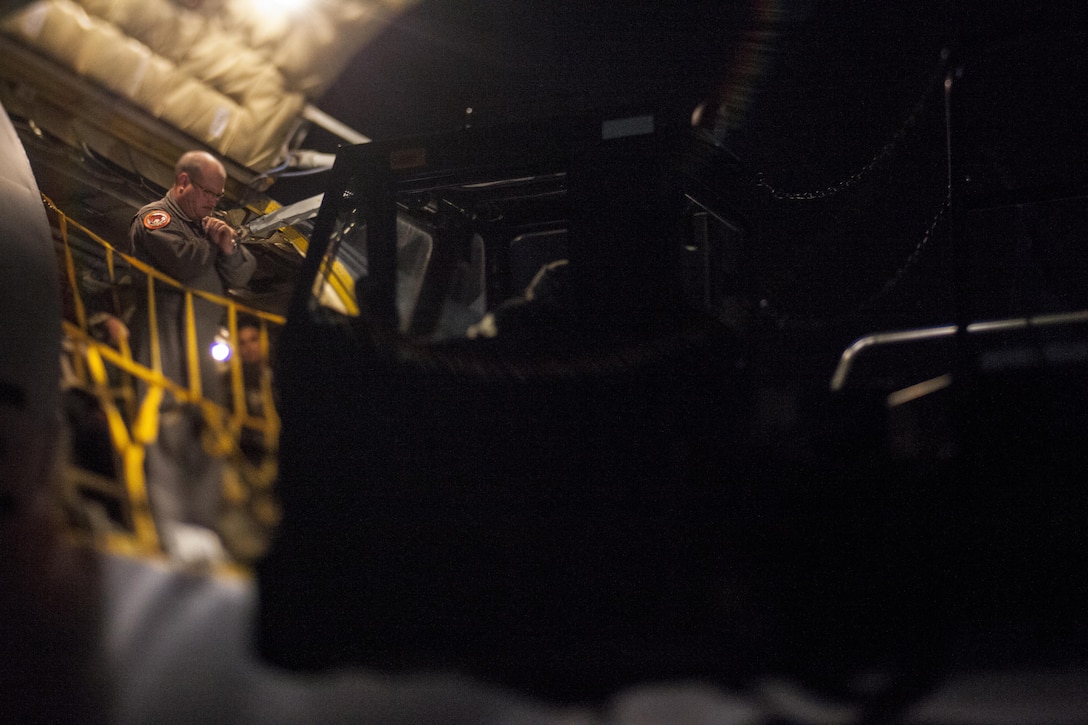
(199, 182)
(198, 163)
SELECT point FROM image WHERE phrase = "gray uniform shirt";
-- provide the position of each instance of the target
(163, 237)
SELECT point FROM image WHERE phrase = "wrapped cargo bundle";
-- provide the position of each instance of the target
(221, 71)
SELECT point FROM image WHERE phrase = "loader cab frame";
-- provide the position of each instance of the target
(425, 233)
(411, 447)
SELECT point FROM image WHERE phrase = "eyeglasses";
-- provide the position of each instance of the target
(206, 190)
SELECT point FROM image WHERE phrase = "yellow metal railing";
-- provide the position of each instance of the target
(134, 423)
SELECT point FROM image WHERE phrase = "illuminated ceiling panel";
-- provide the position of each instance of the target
(234, 75)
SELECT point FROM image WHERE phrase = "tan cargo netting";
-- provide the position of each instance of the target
(222, 71)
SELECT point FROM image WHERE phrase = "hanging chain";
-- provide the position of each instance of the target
(862, 173)
(913, 257)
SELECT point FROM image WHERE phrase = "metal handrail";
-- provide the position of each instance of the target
(131, 431)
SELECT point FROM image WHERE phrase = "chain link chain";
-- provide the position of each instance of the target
(862, 173)
(913, 257)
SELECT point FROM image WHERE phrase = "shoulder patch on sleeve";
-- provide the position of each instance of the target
(156, 219)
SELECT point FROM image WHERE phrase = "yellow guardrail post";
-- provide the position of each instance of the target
(192, 351)
(130, 449)
(130, 433)
(78, 309)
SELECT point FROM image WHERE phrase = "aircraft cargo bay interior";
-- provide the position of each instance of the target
(561, 348)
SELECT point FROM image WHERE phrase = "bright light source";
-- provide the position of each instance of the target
(280, 6)
(220, 351)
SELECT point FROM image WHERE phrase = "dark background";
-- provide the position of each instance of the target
(841, 106)
(840, 103)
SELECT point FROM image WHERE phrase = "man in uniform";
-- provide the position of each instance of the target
(178, 236)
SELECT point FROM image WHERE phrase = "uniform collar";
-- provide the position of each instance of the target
(175, 209)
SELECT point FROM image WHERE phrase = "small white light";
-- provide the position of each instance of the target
(220, 351)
